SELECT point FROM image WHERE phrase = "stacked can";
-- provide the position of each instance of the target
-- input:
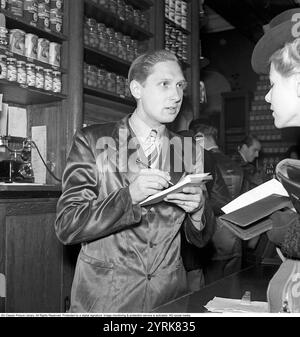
(15, 7)
(31, 11)
(43, 14)
(56, 15)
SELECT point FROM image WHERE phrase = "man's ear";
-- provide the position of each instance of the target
(135, 88)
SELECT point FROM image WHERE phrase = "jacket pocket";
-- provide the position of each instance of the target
(92, 284)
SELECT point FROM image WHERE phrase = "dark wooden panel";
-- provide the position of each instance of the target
(33, 264)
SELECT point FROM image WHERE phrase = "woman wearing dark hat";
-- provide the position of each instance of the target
(278, 53)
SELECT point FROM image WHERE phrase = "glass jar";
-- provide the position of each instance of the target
(113, 6)
(39, 77)
(86, 32)
(3, 66)
(121, 47)
(48, 84)
(136, 16)
(102, 37)
(92, 76)
(120, 85)
(121, 9)
(30, 74)
(112, 45)
(129, 13)
(93, 40)
(11, 69)
(101, 78)
(57, 84)
(21, 72)
(111, 82)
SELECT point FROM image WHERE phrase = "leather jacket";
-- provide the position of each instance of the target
(130, 256)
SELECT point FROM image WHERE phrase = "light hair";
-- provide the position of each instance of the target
(142, 66)
(287, 59)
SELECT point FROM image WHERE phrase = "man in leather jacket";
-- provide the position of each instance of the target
(130, 257)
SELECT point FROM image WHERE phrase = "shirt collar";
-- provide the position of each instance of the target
(141, 129)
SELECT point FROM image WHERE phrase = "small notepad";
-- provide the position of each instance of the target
(189, 180)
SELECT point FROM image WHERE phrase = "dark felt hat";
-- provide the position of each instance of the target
(282, 29)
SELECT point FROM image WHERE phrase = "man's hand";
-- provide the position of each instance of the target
(190, 199)
(148, 182)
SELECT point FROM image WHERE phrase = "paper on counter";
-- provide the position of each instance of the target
(272, 186)
(220, 304)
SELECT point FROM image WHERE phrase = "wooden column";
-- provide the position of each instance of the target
(195, 57)
(75, 68)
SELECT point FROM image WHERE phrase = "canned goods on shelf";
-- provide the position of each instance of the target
(56, 20)
(31, 43)
(43, 50)
(31, 11)
(48, 84)
(39, 77)
(3, 66)
(21, 72)
(43, 13)
(11, 69)
(17, 41)
(54, 54)
(3, 4)
(15, 7)
(30, 74)
(59, 4)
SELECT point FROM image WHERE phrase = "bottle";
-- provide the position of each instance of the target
(21, 72)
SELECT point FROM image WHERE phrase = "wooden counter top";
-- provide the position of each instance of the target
(25, 190)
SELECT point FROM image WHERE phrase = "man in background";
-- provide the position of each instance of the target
(247, 152)
(226, 255)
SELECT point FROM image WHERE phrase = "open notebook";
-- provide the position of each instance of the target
(248, 215)
(189, 180)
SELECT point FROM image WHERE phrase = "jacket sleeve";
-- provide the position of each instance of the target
(200, 237)
(82, 215)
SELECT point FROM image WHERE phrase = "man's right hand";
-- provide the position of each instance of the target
(148, 182)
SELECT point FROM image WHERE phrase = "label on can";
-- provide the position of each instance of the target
(44, 14)
(54, 54)
(56, 20)
(17, 41)
(31, 11)
(43, 50)
(31, 43)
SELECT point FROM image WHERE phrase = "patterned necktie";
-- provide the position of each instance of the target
(151, 151)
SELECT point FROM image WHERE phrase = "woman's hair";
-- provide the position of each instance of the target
(287, 59)
(142, 66)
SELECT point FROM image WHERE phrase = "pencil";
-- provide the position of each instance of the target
(138, 161)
